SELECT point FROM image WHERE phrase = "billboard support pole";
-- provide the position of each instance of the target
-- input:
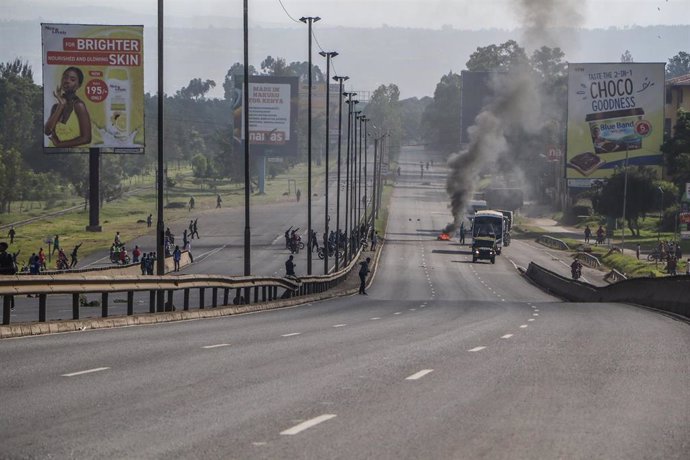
(94, 191)
(160, 226)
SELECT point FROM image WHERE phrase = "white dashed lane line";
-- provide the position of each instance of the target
(398, 313)
(291, 334)
(531, 319)
(218, 345)
(339, 325)
(374, 319)
(88, 371)
(307, 424)
(419, 375)
(507, 336)
(523, 326)
(477, 349)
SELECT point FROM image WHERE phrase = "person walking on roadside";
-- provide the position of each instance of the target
(195, 229)
(191, 229)
(136, 253)
(56, 245)
(144, 264)
(177, 255)
(290, 267)
(374, 240)
(588, 234)
(74, 260)
(363, 272)
(600, 236)
(11, 234)
(191, 203)
(298, 193)
(42, 259)
(7, 266)
(462, 233)
(149, 220)
(218, 201)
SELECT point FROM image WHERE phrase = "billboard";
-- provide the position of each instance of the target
(614, 110)
(93, 88)
(272, 114)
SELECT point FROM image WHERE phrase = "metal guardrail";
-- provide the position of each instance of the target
(588, 259)
(247, 289)
(615, 276)
(552, 242)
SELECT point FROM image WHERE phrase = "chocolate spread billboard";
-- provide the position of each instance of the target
(614, 110)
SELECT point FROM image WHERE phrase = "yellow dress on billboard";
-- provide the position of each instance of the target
(68, 130)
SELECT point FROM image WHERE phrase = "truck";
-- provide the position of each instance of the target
(490, 224)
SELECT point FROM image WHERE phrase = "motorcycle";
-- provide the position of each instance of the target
(331, 253)
(576, 272)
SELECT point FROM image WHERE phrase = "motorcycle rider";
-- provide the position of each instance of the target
(576, 269)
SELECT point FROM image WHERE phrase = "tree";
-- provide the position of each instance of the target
(384, 111)
(229, 83)
(627, 57)
(500, 58)
(441, 117)
(196, 89)
(678, 65)
(641, 198)
(677, 150)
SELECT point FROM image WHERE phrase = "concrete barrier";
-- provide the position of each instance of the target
(669, 293)
(615, 276)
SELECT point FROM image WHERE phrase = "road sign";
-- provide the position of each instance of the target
(553, 153)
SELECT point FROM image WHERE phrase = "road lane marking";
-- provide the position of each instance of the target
(413, 309)
(531, 319)
(291, 334)
(477, 349)
(523, 326)
(339, 325)
(307, 424)
(419, 375)
(507, 336)
(536, 309)
(374, 319)
(88, 371)
(535, 314)
(208, 347)
(397, 313)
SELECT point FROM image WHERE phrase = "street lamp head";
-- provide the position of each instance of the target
(306, 19)
(328, 53)
(339, 78)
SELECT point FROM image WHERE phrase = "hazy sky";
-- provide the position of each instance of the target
(434, 14)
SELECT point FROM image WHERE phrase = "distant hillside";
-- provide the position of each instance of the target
(414, 59)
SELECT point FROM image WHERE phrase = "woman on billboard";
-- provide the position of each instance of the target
(69, 124)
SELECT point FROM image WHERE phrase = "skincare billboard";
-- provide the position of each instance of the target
(614, 111)
(93, 88)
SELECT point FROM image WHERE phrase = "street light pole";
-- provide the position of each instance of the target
(364, 204)
(348, 185)
(340, 80)
(160, 226)
(309, 20)
(661, 215)
(356, 176)
(247, 178)
(328, 56)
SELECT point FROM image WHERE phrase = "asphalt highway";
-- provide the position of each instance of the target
(442, 359)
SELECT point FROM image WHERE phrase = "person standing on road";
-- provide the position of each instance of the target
(218, 201)
(149, 220)
(144, 264)
(363, 272)
(588, 234)
(177, 255)
(374, 240)
(298, 193)
(462, 233)
(191, 203)
(290, 266)
(136, 253)
(11, 234)
(74, 259)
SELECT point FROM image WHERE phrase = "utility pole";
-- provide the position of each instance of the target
(340, 80)
(328, 56)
